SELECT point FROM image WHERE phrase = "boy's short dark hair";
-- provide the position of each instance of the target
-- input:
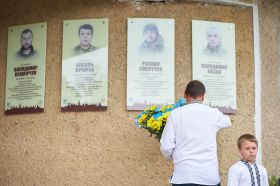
(195, 89)
(86, 26)
(246, 137)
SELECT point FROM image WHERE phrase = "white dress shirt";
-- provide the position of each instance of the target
(189, 139)
(239, 175)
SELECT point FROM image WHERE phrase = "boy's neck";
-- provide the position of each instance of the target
(198, 99)
(250, 162)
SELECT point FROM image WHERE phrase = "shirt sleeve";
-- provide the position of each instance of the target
(223, 121)
(233, 177)
(167, 141)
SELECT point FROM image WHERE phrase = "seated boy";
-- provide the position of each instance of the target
(247, 172)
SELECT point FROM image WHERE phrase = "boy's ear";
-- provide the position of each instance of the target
(187, 97)
(202, 98)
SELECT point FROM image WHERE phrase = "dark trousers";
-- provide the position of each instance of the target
(192, 184)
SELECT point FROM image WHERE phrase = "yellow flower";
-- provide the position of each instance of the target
(151, 120)
(163, 108)
(165, 116)
(142, 119)
(160, 118)
(170, 106)
(157, 125)
(153, 108)
(154, 124)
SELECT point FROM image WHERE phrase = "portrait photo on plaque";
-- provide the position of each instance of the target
(25, 77)
(214, 62)
(84, 84)
(150, 62)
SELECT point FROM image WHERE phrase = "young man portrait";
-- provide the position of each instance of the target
(153, 41)
(214, 45)
(26, 49)
(85, 35)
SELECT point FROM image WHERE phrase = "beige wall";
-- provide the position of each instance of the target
(106, 148)
(270, 57)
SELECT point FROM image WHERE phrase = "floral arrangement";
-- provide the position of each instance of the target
(154, 118)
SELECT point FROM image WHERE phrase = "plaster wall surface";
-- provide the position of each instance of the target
(270, 64)
(106, 148)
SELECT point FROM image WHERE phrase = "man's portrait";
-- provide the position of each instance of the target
(85, 34)
(153, 41)
(26, 49)
(214, 45)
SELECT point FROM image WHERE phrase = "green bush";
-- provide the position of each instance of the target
(273, 181)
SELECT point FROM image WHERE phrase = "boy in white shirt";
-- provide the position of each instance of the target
(189, 139)
(247, 172)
